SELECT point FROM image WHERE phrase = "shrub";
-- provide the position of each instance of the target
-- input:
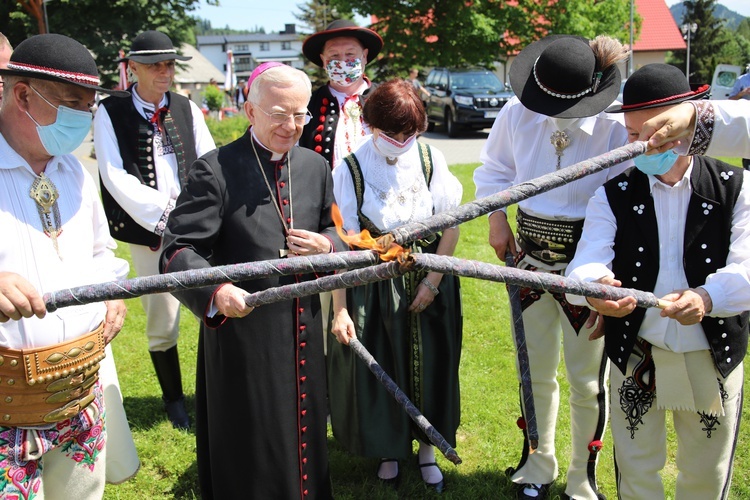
(228, 129)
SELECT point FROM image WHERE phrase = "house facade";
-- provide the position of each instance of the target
(253, 49)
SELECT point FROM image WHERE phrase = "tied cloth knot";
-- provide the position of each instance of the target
(159, 117)
(165, 123)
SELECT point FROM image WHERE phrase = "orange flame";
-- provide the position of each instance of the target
(384, 245)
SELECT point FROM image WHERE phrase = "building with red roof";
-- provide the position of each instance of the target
(659, 33)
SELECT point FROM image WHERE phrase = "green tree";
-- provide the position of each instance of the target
(106, 27)
(431, 33)
(707, 43)
(426, 33)
(744, 29)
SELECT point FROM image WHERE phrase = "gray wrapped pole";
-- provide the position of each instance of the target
(402, 399)
(522, 354)
(417, 230)
(196, 278)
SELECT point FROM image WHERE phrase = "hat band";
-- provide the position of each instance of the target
(148, 52)
(666, 100)
(561, 95)
(66, 75)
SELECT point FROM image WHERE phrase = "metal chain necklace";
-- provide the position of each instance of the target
(560, 141)
(283, 252)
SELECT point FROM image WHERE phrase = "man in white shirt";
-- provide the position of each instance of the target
(677, 226)
(53, 439)
(145, 144)
(563, 84)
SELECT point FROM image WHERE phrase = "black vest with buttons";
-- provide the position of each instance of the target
(135, 141)
(716, 186)
(320, 134)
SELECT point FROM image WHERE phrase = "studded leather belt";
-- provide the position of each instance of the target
(550, 241)
(49, 384)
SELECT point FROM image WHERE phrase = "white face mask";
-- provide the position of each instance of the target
(389, 147)
(565, 123)
(346, 72)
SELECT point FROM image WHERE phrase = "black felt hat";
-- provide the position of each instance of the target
(151, 47)
(656, 85)
(313, 45)
(557, 76)
(57, 58)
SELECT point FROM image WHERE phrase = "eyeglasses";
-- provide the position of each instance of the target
(280, 118)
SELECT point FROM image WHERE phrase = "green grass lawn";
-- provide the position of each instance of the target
(488, 442)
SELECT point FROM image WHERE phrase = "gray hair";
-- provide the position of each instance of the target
(4, 42)
(285, 75)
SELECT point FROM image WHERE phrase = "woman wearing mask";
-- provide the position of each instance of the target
(413, 324)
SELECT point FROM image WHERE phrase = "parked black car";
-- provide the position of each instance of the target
(464, 98)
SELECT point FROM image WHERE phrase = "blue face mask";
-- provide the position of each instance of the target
(656, 164)
(68, 130)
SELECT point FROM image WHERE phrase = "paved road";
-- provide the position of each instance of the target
(462, 149)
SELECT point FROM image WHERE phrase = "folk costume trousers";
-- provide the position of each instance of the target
(67, 460)
(705, 443)
(162, 309)
(547, 323)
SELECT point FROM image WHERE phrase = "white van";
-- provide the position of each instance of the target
(724, 77)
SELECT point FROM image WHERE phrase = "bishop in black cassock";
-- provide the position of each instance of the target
(261, 387)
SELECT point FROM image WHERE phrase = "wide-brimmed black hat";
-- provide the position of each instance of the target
(313, 45)
(558, 76)
(151, 47)
(656, 85)
(57, 58)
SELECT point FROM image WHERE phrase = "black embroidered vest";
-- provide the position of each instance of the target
(320, 134)
(716, 186)
(135, 141)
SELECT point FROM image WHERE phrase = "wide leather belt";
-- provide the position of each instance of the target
(49, 384)
(550, 241)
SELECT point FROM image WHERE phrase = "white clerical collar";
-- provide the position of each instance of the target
(274, 155)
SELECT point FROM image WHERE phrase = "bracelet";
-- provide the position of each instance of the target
(430, 286)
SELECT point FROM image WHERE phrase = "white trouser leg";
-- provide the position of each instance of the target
(587, 371)
(705, 445)
(542, 326)
(162, 309)
(63, 478)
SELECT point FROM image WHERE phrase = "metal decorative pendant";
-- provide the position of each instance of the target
(353, 109)
(45, 194)
(560, 141)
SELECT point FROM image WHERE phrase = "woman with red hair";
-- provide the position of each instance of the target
(413, 324)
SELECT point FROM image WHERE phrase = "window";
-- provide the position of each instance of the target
(243, 64)
(265, 46)
(242, 48)
(286, 45)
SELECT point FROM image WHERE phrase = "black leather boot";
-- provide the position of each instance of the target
(167, 366)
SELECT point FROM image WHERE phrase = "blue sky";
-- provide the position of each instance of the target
(274, 14)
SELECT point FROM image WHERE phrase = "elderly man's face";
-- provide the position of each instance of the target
(278, 98)
(343, 48)
(153, 79)
(58, 94)
(5, 53)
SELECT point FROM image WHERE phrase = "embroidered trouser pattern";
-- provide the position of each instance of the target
(705, 444)
(550, 322)
(64, 461)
